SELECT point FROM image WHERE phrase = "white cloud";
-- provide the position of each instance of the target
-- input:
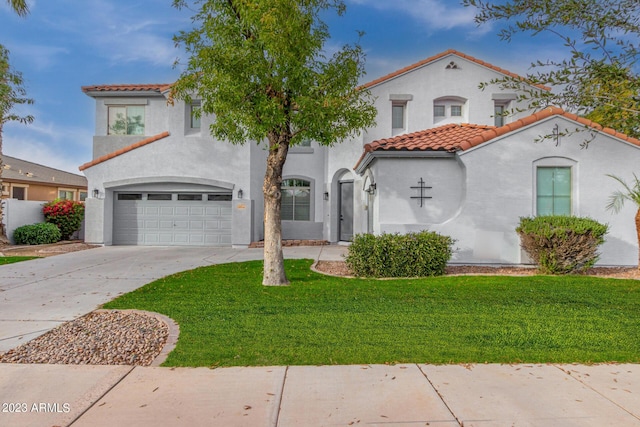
(49, 144)
(436, 14)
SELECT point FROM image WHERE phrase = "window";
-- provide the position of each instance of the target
(83, 196)
(296, 200)
(129, 196)
(456, 110)
(305, 143)
(126, 120)
(158, 196)
(219, 197)
(194, 114)
(65, 194)
(553, 185)
(19, 193)
(398, 116)
(438, 110)
(498, 115)
(189, 196)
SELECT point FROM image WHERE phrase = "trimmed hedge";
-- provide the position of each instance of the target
(394, 255)
(561, 244)
(36, 234)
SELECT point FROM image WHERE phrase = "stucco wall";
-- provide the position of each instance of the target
(479, 203)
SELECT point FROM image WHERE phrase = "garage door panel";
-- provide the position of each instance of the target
(172, 222)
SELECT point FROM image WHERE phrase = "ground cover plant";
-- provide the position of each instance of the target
(12, 259)
(227, 318)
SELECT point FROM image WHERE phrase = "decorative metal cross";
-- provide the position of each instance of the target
(421, 187)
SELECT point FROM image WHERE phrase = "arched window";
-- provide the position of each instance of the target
(296, 200)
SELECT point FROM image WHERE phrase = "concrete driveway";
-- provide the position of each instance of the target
(38, 295)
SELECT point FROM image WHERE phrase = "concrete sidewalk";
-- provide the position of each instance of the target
(38, 295)
(378, 395)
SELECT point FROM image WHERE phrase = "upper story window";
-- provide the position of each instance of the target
(398, 116)
(126, 120)
(449, 109)
(498, 115)
(296, 200)
(194, 115)
(553, 191)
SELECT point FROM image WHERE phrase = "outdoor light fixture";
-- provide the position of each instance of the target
(96, 193)
(240, 193)
(371, 189)
(326, 195)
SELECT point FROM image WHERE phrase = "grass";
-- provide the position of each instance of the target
(227, 318)
(12, 259)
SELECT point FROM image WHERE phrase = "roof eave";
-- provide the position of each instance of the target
(370, 156)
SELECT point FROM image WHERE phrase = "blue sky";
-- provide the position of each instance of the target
(65, 44)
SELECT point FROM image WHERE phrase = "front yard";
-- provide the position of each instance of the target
(227, 318)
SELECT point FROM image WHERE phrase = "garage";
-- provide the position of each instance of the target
(172, 218)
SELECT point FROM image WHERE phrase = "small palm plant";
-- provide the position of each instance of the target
(630, 193)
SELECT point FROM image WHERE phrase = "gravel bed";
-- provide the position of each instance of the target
(98, 338)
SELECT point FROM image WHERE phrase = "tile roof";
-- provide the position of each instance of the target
(447, 138)
(21, 170)
(126, 149)
(456, 137)
(151, 87)
(442, 55)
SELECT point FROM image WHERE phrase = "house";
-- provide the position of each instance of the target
(24, 180)
(442, 156)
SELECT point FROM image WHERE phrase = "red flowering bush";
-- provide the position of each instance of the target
(67, 215)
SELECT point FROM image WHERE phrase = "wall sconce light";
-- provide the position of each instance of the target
(96, 193)
(371, 189)
(240, 193)
(325, 196)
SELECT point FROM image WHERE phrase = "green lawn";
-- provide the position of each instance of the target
(12, 259)
(228, 318)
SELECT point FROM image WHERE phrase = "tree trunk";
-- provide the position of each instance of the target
(638, 234)
(274, 274)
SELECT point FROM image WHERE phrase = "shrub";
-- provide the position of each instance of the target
(65, 214)
(36, 234)
(561, 244)
(394, 255)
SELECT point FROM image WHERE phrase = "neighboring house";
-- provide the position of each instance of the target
(159, 178)
(23, 180)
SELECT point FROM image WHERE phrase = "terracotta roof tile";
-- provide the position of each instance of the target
(124, 150)
(442, 138)
(442, 55)
(454, 137)
(157, 87)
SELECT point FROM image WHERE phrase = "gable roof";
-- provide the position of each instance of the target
(110, 89)
(14, 169)
(462, 137)
(442, 55)
(126, 149)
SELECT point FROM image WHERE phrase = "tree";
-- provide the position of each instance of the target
(599, 78)
(631, 193)
(260, 68)
(19, 6)
(12, 93)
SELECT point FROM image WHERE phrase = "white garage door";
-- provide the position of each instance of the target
(164, 219)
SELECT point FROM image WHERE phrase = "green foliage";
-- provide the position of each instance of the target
(599, 77)
(260, 67)
(227, 318)
(561, 244)
(13, 259)
(12, 92)
(36, 234)
(67, 215)
(631, 193)
(394, 255)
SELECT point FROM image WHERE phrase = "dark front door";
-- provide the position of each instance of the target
(346, 211)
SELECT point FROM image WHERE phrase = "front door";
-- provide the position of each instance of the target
(346, 211)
